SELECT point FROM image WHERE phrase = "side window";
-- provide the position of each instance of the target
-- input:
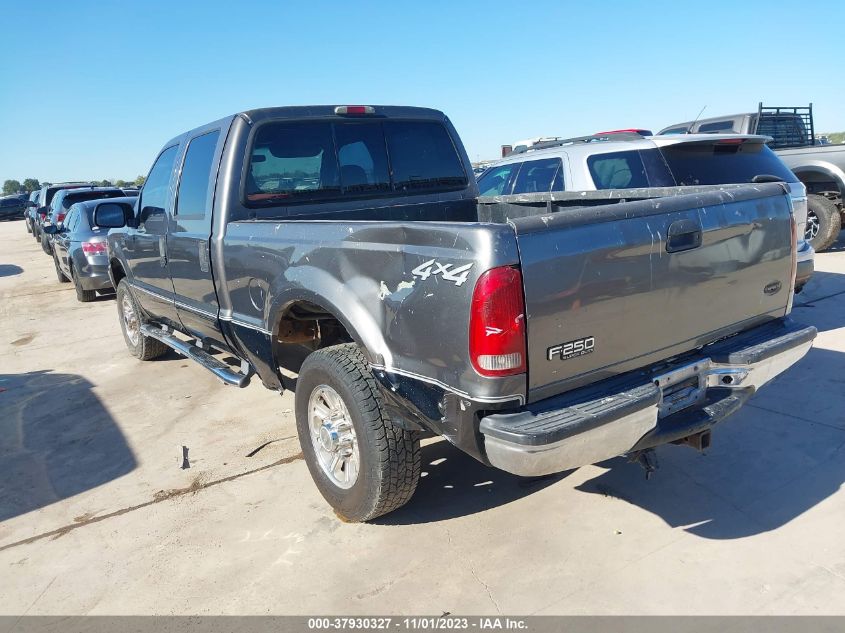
(194, 191)
(629, 170)
(537, 176)
(362, 157)
(292, 161)
(495, 181)
(157, 186)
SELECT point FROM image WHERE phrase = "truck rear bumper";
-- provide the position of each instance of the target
(643, 409)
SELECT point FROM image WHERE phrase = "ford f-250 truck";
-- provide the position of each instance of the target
(535, 344)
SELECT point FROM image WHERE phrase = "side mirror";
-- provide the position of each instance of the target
(50, 229)
(29, 204)
(110, 215)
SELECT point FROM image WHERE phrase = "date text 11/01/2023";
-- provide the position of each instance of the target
(422, 623)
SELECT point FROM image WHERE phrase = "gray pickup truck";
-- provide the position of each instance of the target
(821, 167)
(347, 244)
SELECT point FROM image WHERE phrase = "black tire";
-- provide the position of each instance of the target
(144, 348)
(59, 274)
(45, 243)
(81, 294)
(389, 457)
(28, 227)
(824, 214)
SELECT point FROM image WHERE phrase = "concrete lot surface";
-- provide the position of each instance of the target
(101, 514)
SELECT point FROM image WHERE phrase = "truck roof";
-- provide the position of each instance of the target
(315, 111)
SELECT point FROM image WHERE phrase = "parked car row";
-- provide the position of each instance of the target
(61, 218)
(597, 299)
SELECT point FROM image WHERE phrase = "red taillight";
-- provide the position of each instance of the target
(59, 218)
(43, 214)
(352, 109)
(730, 141)
(95, 248)
(497, 323)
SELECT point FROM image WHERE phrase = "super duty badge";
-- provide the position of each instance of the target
(578, 347)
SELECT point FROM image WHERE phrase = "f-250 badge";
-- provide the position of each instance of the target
(446, 271)
(578, 347)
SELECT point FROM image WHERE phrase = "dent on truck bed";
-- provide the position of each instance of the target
(400, 289)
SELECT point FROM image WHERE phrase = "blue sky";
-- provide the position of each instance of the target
(94, 89)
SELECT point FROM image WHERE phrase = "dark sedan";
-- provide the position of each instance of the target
(13, 207)
(80, 248)
(62, 202)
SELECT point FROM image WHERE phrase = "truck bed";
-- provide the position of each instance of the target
(614, 287)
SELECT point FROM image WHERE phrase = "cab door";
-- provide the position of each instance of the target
(189, 239)
(145, 246)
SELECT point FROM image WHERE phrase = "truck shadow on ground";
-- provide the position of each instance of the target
(780, 456)
(454, 485)
(56, 441)
(774, 460)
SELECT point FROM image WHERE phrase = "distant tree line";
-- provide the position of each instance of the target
(29, 185)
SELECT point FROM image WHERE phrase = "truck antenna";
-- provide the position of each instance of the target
(697, 117)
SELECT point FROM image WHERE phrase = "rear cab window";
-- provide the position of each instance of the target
(292, 162)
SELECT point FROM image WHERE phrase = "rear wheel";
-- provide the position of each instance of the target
(363, 464)
(28, 227)
(59, 274)
(131, 319)
(81, 294)
(823, 222)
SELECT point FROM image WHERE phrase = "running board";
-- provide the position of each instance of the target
(217, 367)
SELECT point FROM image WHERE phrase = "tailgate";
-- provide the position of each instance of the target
(611, 288)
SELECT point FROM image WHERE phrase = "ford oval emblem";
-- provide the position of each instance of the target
(772, 288)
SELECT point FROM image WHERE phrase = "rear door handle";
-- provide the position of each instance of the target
(683, 235)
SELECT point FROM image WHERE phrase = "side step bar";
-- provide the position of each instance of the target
(217, 367)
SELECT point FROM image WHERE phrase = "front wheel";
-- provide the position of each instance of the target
(823, 222)
(363, 464)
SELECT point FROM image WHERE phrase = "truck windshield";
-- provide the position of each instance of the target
(723, 163)
(308, 161)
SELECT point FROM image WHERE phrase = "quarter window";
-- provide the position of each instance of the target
(629, 170)
(194, 197)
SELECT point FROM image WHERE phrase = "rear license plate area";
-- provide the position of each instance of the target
(681, 388)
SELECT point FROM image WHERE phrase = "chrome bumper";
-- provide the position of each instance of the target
(648, 409)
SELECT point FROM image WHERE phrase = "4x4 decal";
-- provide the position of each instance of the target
(446, 271)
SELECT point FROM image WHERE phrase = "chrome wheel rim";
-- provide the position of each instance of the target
(131, 325)
(333, 436)
(813, 226)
